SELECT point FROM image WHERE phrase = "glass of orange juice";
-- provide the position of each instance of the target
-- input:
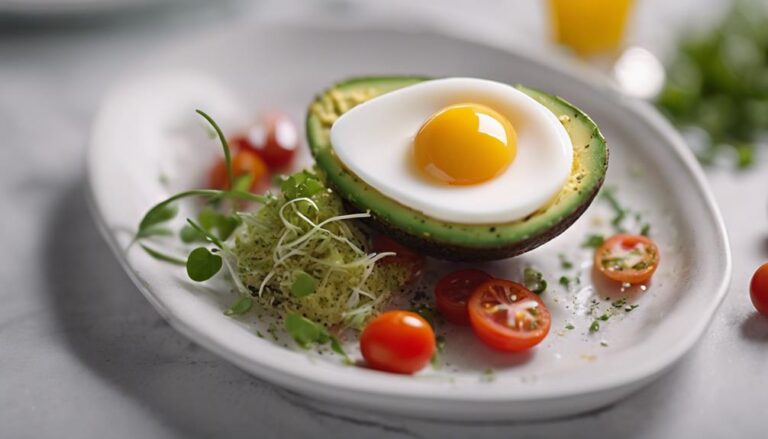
(590, 27)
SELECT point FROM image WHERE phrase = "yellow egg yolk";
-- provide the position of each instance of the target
(465, 144)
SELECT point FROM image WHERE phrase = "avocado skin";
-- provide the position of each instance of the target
(451, 252)
(459, 242)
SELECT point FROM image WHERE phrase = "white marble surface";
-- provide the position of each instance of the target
(82, 354)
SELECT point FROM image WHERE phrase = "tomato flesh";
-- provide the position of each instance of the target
(507, 316)
(275, 139)
(452, 292)
(243, 162)
(398, 341)
(758, 289)
(627, 258)
(404, 256)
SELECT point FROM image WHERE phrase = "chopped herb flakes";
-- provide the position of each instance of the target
(488, 376)
(609, 195)
(593, 241)
(534, 280)
(565, 264)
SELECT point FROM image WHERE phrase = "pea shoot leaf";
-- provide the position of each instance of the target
(160, 256)
(226, 224)
(161, 213)
(304, 331)
(242, 306)
(243, 182)
(202, 264)
(189, 234)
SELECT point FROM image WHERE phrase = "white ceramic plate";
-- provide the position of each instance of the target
(148, 144)
(74, 8)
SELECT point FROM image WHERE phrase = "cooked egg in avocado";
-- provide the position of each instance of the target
(458, 168)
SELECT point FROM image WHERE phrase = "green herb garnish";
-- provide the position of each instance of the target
(565, 281)
(488, 376)
(594, 327)
(240, 307)
(202, 264)
(439, 348)
(534, 280)
(717, 82)
(303, 284)
(565, 264)
(305, 333)
(609, 195)
(593, 241)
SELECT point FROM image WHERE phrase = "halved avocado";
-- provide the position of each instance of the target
(456, 241)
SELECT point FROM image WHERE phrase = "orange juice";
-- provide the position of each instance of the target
(590, 26)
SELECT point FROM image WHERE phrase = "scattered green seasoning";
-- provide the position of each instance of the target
(593, 241)
(570, 327)
(534, 280)
(439, 349)
(594, 327)
(488, 376)
(565, 263)
(565, 281)
(619, 212)
(619, 303)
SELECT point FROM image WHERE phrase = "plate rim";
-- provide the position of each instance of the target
(351, 394)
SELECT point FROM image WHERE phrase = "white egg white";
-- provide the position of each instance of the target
(374, 141)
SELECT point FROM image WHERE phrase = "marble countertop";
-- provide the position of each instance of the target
(82, 354)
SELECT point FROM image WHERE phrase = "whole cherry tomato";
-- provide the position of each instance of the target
(398, 341)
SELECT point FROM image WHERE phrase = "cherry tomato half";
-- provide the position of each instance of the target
(398, 341)
(627, 258)
(403, 255)
(243, 162)
(452, 293)
(275, 139)
(507, 316)
(758, 289)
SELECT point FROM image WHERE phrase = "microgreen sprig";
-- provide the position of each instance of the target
(202, 264)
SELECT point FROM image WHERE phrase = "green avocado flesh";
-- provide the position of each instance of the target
(456, 241)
